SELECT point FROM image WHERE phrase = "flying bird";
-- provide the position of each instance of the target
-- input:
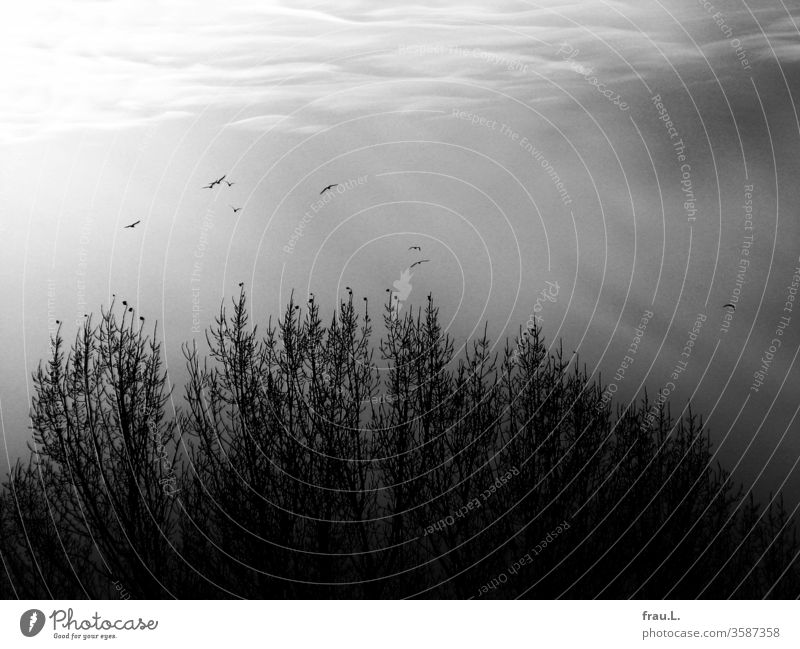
(732, 306)
(421, 261)
(229, 183)
(132, 225)
(213, 183)
(329, 187)
(236, 209)
(414, 248)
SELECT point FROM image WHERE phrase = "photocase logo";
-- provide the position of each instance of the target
(402, 290)
(31, 622)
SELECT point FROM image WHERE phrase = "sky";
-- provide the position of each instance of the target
(592, 165)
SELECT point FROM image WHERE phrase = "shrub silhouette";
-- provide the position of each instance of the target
(310, 462)
(102, 456)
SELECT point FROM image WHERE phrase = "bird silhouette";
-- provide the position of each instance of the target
(213, 183)
(236, 209)
(414, 248)
(732, 306)
(329, 187)
(132, 225)
(229, 183)
(421, 261)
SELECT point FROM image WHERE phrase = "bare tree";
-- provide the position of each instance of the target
(300, 468)
(106, 454)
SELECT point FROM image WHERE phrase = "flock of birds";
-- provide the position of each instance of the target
(219, 181)
(211, 185)
(229, 183)
(223, 179)
(236, 210)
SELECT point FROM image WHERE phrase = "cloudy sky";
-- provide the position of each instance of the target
(623, 156)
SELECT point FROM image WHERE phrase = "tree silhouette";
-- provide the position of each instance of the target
(105, 456)
(309, 461)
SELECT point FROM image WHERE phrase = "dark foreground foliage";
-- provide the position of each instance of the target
(307, 462)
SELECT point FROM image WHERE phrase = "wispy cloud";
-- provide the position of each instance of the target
(86, 63)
